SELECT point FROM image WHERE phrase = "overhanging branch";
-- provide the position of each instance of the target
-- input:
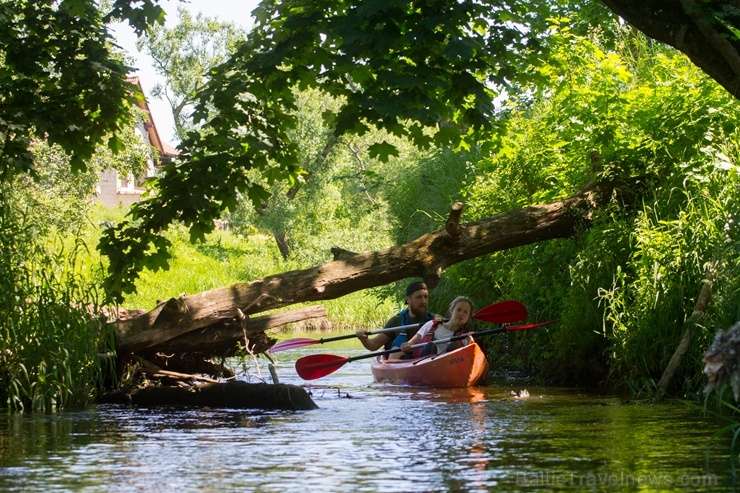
(427, 257)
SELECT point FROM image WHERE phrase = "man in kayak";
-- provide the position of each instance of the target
(460, 310)
(417, 299)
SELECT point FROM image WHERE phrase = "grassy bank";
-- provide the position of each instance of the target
(227, 258)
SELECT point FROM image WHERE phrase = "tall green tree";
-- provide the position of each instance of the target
(341, 199)
(58, 83)
(183, 55)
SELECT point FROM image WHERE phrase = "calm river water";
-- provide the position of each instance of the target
(373, 438)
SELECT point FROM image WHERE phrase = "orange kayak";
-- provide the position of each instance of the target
(464, 367)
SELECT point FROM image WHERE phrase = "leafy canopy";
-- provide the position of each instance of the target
(427, 71)
(183, 55)
(57, 82)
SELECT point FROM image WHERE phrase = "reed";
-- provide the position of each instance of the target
(49, 343)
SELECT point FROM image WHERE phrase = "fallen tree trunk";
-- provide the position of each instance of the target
(426, 257)
(221, 335)
(237, 395)
(181, 331)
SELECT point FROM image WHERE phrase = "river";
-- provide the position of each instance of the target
(373, 438)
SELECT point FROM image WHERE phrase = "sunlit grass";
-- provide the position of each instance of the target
(222, 261)
(226, 259)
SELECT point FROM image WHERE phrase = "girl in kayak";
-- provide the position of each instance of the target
(461, 309)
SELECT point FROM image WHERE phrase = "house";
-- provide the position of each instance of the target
(114, 189)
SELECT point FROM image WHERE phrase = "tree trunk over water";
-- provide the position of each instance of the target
(179, 336)
(222, 310)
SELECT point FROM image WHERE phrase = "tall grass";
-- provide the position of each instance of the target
(49, 343)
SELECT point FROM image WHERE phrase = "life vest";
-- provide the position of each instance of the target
(429, 337)
(403, 336)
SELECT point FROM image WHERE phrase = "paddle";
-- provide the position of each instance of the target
(319, 365)
(503, 312)
(301, 341)
(498, 313)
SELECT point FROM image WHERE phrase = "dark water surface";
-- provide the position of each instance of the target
(374, 438)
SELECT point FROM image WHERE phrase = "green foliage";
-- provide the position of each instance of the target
(648, 304)
(140, 14)
(634, 276)
(383, 74)
(49, 342)
(404, 68)
(337, 202)
(58, 82)
(223, 259)
(61, 81)
(183, 55)
(421, 188)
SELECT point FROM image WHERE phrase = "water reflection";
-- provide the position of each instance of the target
(371, 437)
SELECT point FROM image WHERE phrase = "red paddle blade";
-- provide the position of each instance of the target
(292, 344)
(503, 312)
(529, 326)
(318, 365)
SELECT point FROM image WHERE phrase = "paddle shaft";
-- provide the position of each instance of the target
(301, 342)
(381, 331)
(499, 313)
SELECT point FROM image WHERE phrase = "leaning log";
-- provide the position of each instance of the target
(426, 257)
(236, 395)
(222, 334)
(692, 324)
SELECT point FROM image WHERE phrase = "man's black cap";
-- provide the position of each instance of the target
(415, 286)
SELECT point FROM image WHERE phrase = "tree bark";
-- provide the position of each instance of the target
(220, 335)
(684, 25)
(426, 257)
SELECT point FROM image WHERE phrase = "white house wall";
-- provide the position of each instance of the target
(114, 190)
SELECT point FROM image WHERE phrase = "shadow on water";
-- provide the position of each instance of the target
(374, 438)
